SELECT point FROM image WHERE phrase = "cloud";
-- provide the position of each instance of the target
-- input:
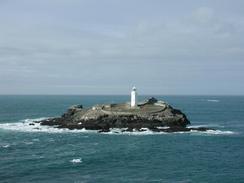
(193, 36)
(75, 46)
(203, 15)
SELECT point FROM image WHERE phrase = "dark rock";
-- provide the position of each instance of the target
(104, 130)
(151, 100)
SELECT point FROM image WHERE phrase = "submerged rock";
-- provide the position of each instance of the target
(152, 114)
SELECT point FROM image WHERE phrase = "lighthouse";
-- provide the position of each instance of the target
(133, 102)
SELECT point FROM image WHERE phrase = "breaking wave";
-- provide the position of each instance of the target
(5, 146)
(194, 132)
(32, 125)
(209, 125)
(215, 132)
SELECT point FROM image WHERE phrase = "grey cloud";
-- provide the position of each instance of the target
(78, 44)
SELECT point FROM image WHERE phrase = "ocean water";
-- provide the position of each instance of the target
(45, 154)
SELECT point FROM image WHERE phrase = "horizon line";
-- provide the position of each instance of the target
(121, 95)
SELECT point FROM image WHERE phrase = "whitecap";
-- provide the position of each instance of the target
(76, 160)
(5, 146)
(213, 100)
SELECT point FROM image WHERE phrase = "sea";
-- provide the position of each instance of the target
(46, 154)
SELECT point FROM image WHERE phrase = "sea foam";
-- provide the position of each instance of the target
(219, 132)
(30, 125)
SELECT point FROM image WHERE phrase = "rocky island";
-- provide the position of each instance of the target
(157, 116)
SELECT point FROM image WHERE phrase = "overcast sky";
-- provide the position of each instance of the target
(107, 46)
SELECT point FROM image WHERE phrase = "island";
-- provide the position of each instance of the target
(151, 114)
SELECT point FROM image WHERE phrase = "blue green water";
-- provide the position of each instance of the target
(49, 155)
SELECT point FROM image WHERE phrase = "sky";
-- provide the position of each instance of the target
(164, 47)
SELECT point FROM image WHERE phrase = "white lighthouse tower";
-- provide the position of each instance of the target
(133, 102)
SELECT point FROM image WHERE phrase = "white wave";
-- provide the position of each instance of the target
(118, 131)
(76, 160)
(5, 146)
(207, 132)
(213, 100)
(29, 125)
(206, 126)
(163, 127)
(149, 132)
(197, 126)
(219, 132)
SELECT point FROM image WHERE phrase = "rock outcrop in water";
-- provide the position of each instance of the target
(152, 114)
